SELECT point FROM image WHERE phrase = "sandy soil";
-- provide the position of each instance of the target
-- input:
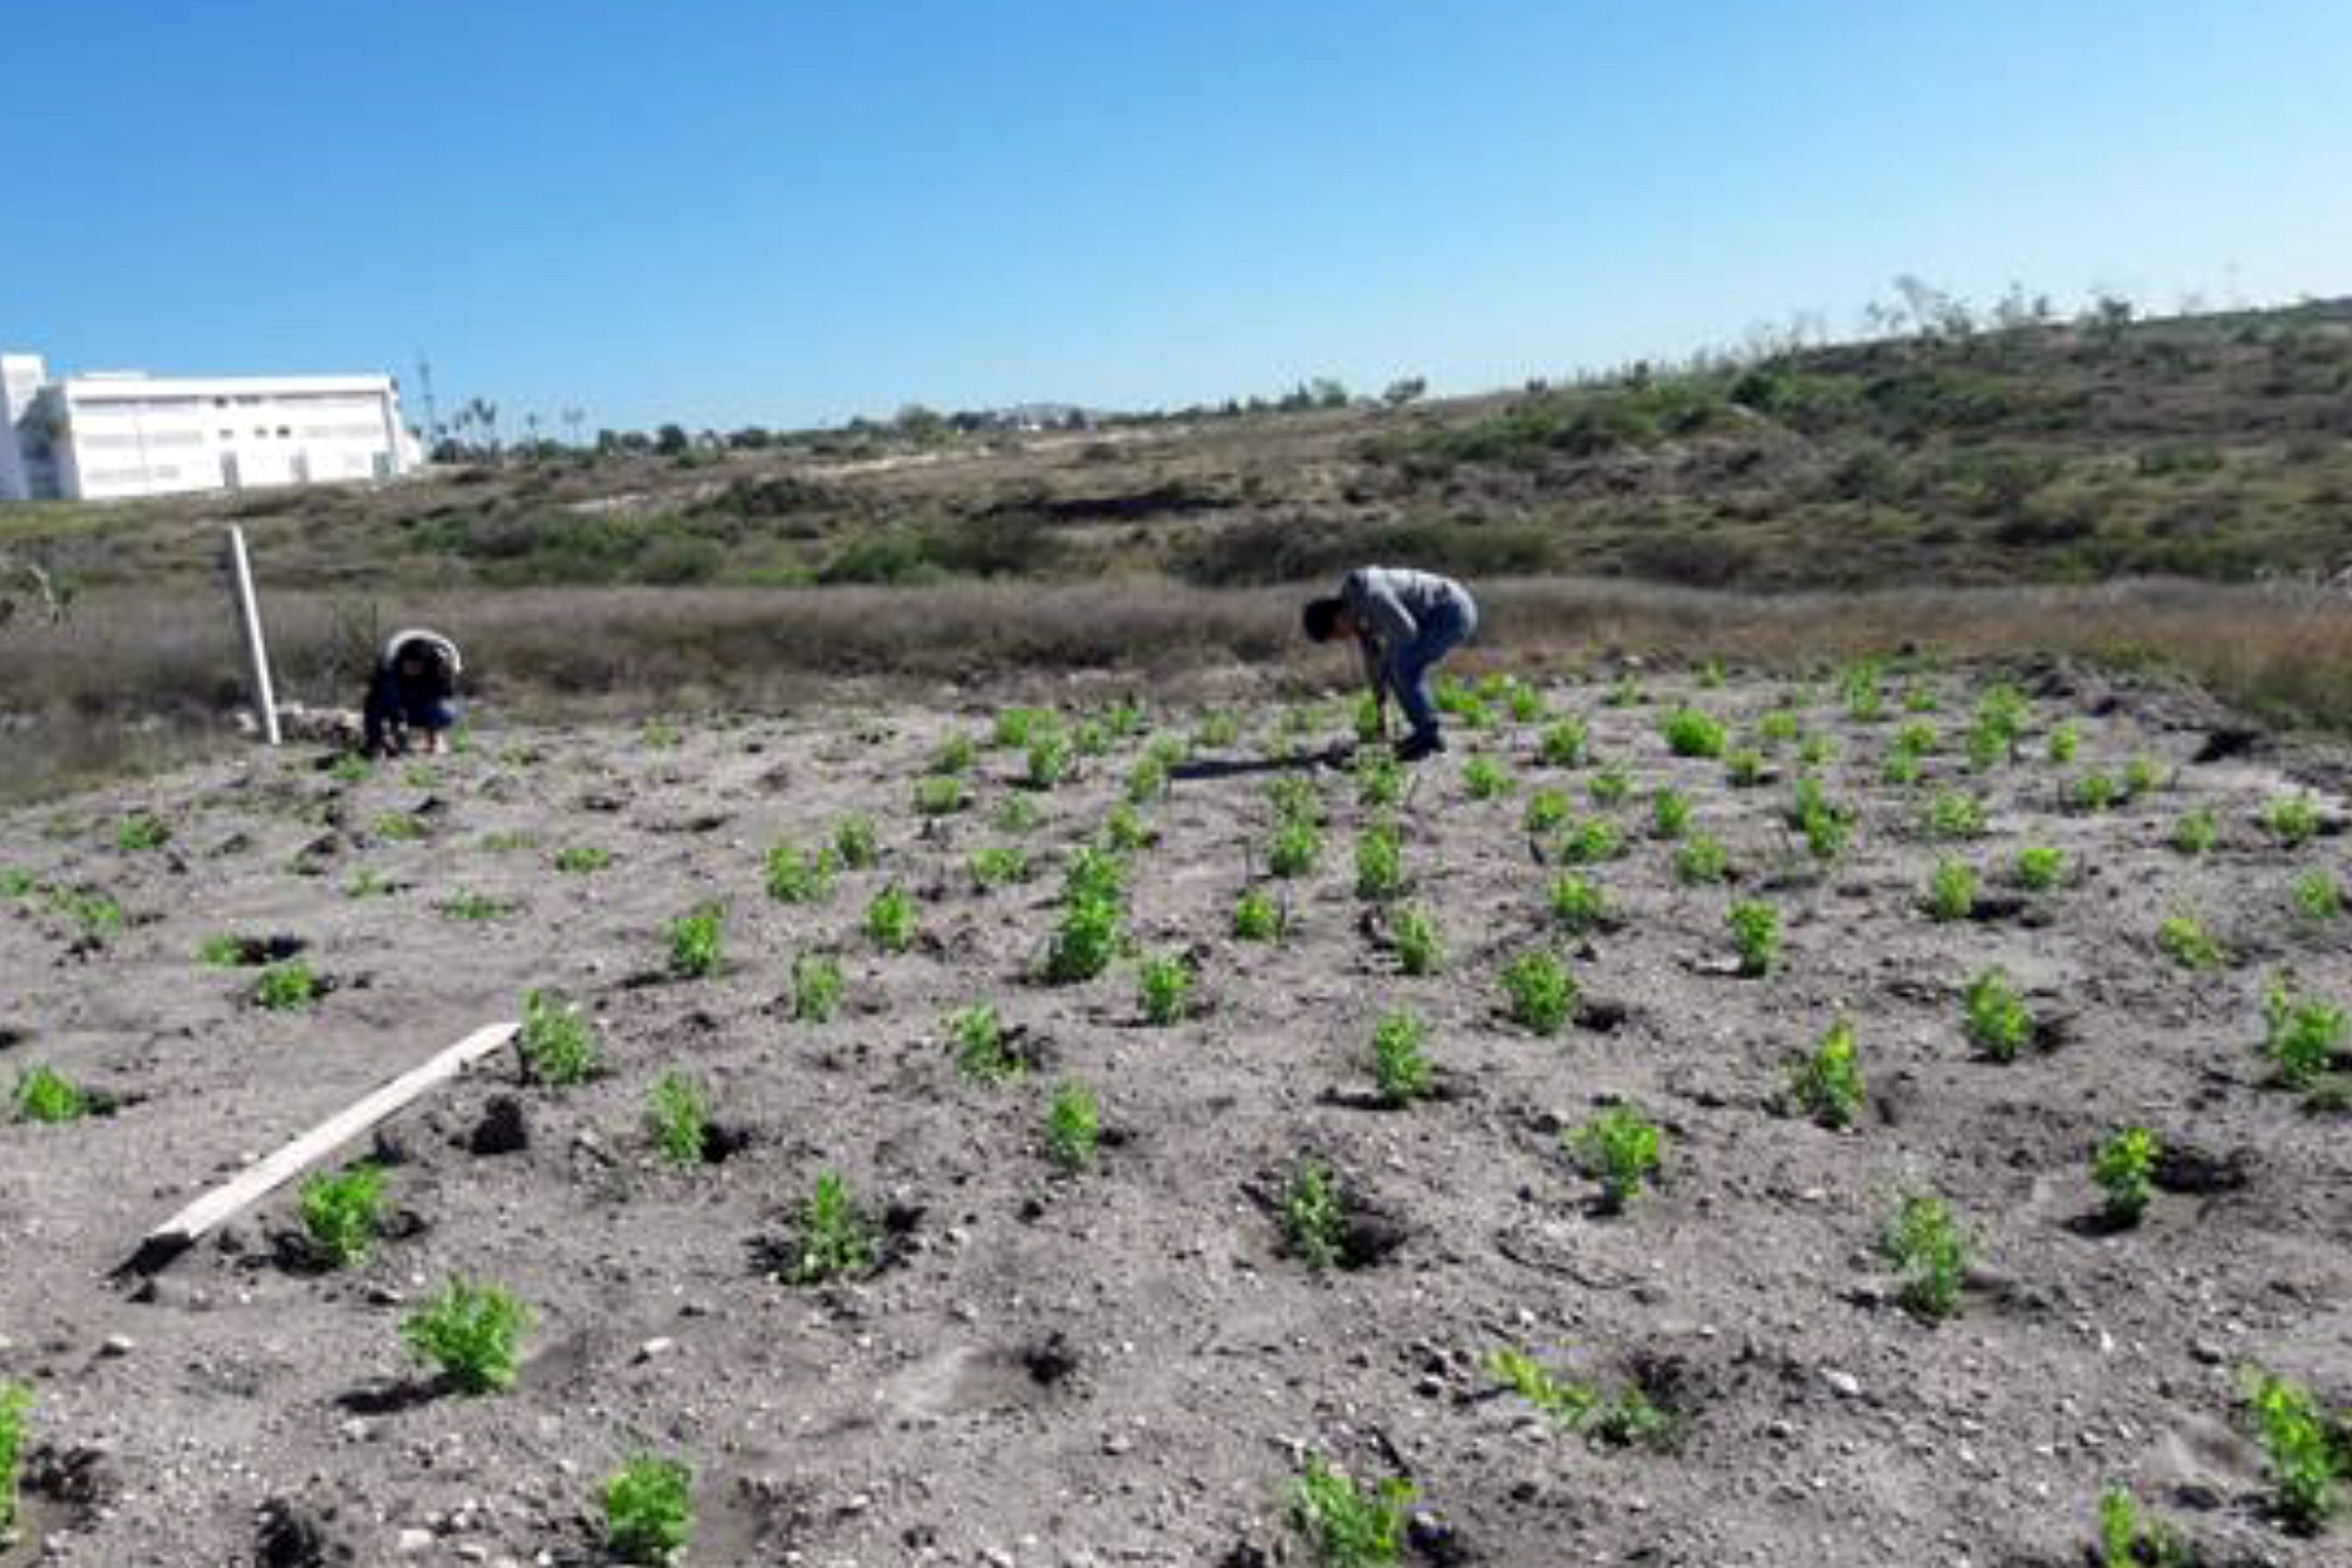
(1127, 1365)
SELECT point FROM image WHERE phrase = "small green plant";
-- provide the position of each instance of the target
(1400, 1066)
(1779, 727)
(1901, 768)
(1570, 1404)
(1085, 941)
(1542, 994)
(938, 794)
(1955, 814)
(1348, 1526)
(1413, 936)
(981, 1051)
(1124, 830)
(1380, 863)
(1925, 1242)
(558, 1046)
(1669, 814)
(2317, 896)
(2197, 831)
(1744, 769)
(998, 866)
(1298, 845)
(18, 884)
(856, 843)
(1591, 840)
(1314, 1219)
(1917, 737)
(1485, 778)
(1621, 1149)
(143, 832)
(2096, 791)
(471, 1335)
(1524, 702)
(1164, 988)
(477, 907)
(1625, 692)
(1381, 781)
(511, 841)
(2124, 1542)
(2062, 742)
(796, 876)
(350, 768)
(2039, 868)
(657, 736)
(1562, 744)
(222, 951)
(1051, 757)
(2292, 819)
(2142, 775)
(1690, 732)
(1016, 727)
(649, 1510)
(2186, 942)
(954, 757)
(1701, 860)
(1827, 1084)
(2125, 1167)
(582, 860)
(1998, 1022)
(341, 1214)
(1547, 809)
(1611, 786)
(287, 985)
(1073, 1127)
(43, 1095)
(1861, 687)
(817, 986)
(1951, 891)
(890, 920)
(1018, 814)
(1256, 916)
(1756, 932)
(1578, 904)
(15, 1403)
(694, 943)
(2302, 1035)
(2305, 1450)
(834, 1239)
(1296, 797)
(367, 882)
(677, 1113)
(1216, 730)
(398, 828)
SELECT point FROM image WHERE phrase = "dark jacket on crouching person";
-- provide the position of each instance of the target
(415, 689)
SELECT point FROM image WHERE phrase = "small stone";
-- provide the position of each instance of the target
(1843, 1385)
(658, 1346)
(1118, 1443)
(415, 1542)
(118, 1345)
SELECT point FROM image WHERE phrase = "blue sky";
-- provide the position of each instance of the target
(766, 211)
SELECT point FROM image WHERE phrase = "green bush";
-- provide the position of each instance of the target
(817, 986)
(1164, 988)
(1073, 1127)
(695, 952)
(1256, 916)
(834, 1240)
(1542, 994)
(1413, 935)
(856, 843)
(1621, 1149)
(15, 1403)
(1347, 1526)
(890, 920)
(558, 1046)
(1688, 732)
(649, 1510)
(1400, 1067)
(1827, 1085)
(1998, 1020)
(2300, 1035)
(45, 1096)
(1951, 891)
(1086, 939)
(1315, 1220)
(2125, 1167)
(2306, 1451)
(1756, 932)
(471, 1335)
(341, 1212)
(1926, 1241)
(678, 1116)
(282, 986)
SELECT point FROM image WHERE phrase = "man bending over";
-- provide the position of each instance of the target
(1404, 622)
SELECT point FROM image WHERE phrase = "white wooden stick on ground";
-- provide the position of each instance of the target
(175, 1234)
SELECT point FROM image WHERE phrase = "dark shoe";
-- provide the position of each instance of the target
(1413, 748)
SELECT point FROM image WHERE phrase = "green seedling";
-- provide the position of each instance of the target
(2125, 1167)
(477, 907)
(1590, 840)
(1525, 704)
(1917, 737)
(1998, 1022)
(1086, 939)
(558, 1046)
(1744, 769)
(1164, 988)
(2142, 776)
(695, 952)
(1257, 918)
(890, 920)
(15, 1403)
(2302, 1035)
(285, 985)
(582, 860)
(1814, 751)
(1094, 873)
(1485, 778)
(2124, 1542)
(1951, 891)
(16, 882)
(1542, 994)
(2039, 868)
(1563, 743)
(1413, 936)
(1955, 814)
(1547, 809)
(796, 876)
(1073, 1127)
(1000, 866)
(341, 1214)
(351, 768)
(1690, 732)
(1380, 863)
(2292, 819)
(657, 736)
(1351, 1527)
(222, 952)
(143, 832)
(2305, 1451)
(856, 843)
(1669, 814)
(2197, 831)
(1400, 1066)
(2062, 743)
(509, 843)
(471, 1335)
(2188, 944)
(1381, 782)
(1296, 797)
(44, 1096)
(1827, 1085)
(2096, 791)
(834, 1239)
(1701, 860)
(1578, 904)
(1779, 728)
(1314, 1219)
(1018, 814)
(677, 1113)
(1862, 690)
(1611, 786)
(398, 828)
(2317, 896)
(1051, 756)
(1014, 727)
(367, 882)
(649, 1510)
(1621, 1149)
(954, 757)
(1925, 1242)
(1570, 1404)
(1297, 844)
(1710, 677)
(1756, 932)
(817, 986)
(1625, 693)
(981, 1053)
(1091, 738)
(939, 795)
(1125, 831)
(1216, 730)
(96, 915)
(1901, 768)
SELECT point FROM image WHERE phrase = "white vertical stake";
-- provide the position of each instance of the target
(257, 652)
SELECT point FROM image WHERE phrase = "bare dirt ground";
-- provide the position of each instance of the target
(1128, 1364)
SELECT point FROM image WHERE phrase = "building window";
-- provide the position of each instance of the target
(285, 431)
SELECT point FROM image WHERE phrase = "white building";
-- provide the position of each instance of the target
(103, 437)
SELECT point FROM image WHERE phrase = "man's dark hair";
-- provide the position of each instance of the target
(1321, 618)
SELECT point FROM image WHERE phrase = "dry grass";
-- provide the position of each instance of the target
(135, 678)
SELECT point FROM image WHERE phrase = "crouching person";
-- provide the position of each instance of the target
(1404, 622)
(413, 699)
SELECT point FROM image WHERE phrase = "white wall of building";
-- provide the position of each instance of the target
(120, 435)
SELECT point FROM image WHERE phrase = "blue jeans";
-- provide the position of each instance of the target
(1442, 631)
